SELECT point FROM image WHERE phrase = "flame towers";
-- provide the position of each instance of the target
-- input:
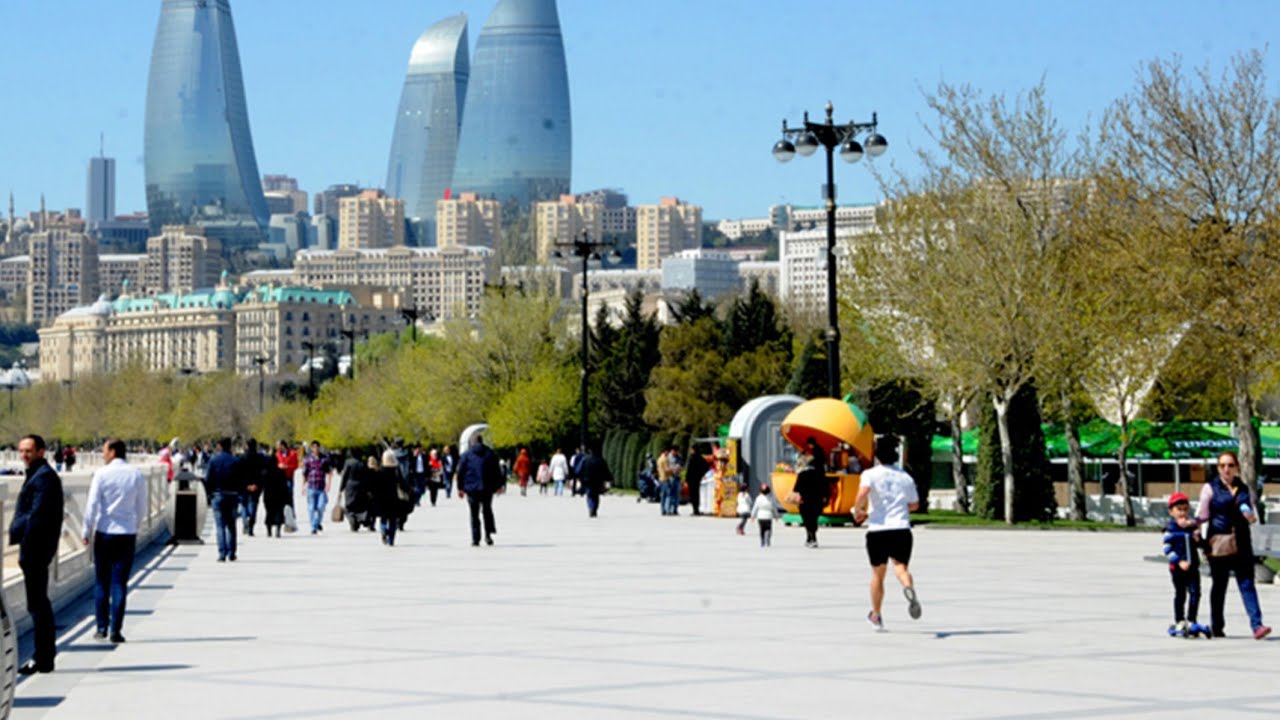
(424, 145)
(516, 136)
(200, 165)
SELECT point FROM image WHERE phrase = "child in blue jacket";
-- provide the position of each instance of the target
(1181, 538)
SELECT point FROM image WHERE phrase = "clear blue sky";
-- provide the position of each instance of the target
(670, 97)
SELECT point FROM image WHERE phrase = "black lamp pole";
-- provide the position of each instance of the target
(350, 335)
(261, 362)
(410, 316)
(310, 347)
(830, 136)
(584, 248)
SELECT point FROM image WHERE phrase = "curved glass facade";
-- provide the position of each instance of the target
(200, 166)
(424, 144)
(516, 141)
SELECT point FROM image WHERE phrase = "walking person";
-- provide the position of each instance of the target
(479, 477)
(596, 478)
(764, 510)
(35, 530)
(251, 467)
(222, 488)
(885, 500)
(1226, 511)
(388, 487)
(315, 471)
(115, 508)
(523, 470)
(449, 464)
(744, 508)
(544, 477)
(811, 492)
(675, 471)
(276, 496)
(559, 471)
(420, 470)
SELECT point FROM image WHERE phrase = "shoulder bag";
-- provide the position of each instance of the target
(1221, 546)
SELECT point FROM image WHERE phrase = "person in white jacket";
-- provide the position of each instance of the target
(764, 511)
(559, 470)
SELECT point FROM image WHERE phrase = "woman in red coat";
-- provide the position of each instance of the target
(523, 469)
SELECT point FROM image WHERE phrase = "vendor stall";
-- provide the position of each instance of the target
(841, 429)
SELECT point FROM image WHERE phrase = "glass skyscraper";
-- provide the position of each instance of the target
(200, 166)
(424, 145)
(516, 137)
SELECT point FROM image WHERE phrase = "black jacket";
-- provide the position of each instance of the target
(813, 487)
(479, 471)
(221, 476)
(37, 517)
(595, 473)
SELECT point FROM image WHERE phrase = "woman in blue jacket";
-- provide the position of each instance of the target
(1227, 509)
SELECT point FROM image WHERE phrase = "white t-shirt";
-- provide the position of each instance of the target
(892, 491)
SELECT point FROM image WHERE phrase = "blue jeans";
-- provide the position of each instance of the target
(249, 506)
(671, 497)
(112, 565)
(593, 502)
(1220, 569)
(225, 506)
(559, 487)
(388, 528)
(316, 501)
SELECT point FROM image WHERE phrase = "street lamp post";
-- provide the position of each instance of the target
(15, 378)
(261, 362)
(310, 347)
(350, 335)
(411, 316)
(830, 136)
(586, 249)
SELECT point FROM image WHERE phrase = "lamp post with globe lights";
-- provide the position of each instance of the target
(831, 136)
(588, 250)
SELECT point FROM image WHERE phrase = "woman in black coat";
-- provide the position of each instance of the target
(813, 490)
(355, 488)
(387, 505)
(275, 496)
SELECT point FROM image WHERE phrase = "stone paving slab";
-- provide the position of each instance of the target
(633, 615)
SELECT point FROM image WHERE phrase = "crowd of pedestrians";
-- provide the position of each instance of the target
(382, 491)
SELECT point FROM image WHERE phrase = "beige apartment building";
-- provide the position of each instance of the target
(13, 276)
(444, 282)
(563, 221)
(665, 229)
(370, 220)
(467, 219)
(181, 259)
(210, 331)
(63, 273)
(115, 269)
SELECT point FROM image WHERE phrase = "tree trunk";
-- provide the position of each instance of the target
(1006, 451)
(1244, 432)
(1129, 519)
(957, 464)
(1076, 499)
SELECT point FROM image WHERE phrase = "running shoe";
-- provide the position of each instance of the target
(875, 621)
(1261, 632)
(913, 603)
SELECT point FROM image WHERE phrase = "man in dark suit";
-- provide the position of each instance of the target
(479, 477)
(36, 529)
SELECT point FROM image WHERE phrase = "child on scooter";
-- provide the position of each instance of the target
(1181, 537)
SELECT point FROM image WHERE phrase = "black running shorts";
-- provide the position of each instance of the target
(885, 544)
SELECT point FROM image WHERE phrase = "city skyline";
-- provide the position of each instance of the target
(668, 99)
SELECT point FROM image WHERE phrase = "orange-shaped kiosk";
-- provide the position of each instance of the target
(840, 429)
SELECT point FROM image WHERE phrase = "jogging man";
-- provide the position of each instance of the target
(886, 497)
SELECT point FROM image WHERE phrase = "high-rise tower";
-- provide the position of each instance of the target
(100, 190)
(516, 136)
(200, 166)
(424, 146)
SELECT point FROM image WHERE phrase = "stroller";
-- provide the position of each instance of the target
(648, 485)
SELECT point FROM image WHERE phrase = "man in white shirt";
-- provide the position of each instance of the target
(117, 504)
(886, 497)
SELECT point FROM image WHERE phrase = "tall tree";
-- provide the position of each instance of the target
(1201, 155)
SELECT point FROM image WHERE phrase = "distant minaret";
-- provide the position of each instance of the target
(10, 236)
(44, 215)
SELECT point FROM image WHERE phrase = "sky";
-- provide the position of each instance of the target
(669, 97)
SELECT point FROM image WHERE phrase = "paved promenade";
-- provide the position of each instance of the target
(633, 615)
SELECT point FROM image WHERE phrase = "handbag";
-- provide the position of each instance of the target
(403, 494)
(338, 513)
(290, 519)
(1221, 546)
